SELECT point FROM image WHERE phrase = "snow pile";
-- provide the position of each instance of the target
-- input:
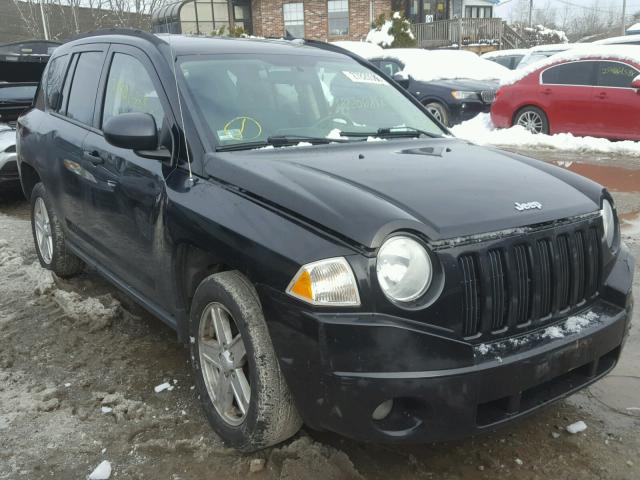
(627, 53)
(480, 130)
(381, 36)
(430, 65)
(101, 472)
(96, 312)
(544, 34)
(364, 49)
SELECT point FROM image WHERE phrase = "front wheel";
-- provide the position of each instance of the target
(439, 112)
(533, 119)
(241, 387)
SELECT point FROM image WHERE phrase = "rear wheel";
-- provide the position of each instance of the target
(439, 112)
(241, 387)
(533, 119)
(48, 236)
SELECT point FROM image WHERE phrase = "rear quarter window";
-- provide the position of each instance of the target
(616, 74)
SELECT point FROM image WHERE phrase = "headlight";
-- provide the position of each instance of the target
(404, 269)
(460, 95)
(327, 282)
(608, 222)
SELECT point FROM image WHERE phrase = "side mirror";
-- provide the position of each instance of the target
(133, 131)
(636, 83)
(401, 79)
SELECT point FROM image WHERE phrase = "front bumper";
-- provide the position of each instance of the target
(466, 110)
(9, 169)
(341, 366)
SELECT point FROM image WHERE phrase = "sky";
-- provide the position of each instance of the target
(505, 6)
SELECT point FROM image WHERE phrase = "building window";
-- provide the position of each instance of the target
(293, 19)
(338, 17)
(478, 12)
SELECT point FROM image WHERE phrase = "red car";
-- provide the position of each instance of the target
(595, 93)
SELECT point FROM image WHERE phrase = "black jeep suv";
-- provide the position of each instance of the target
(327, 251)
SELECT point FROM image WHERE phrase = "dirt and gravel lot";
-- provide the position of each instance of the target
(79, 363)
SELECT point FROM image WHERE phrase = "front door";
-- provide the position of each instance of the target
(126, 203)
(617, 104)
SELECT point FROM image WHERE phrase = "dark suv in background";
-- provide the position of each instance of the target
(327, 250)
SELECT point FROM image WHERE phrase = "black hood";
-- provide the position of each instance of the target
(443, 188)
(466, 84)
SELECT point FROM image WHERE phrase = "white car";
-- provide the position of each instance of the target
(542, 52)
(624, 40)
(507, 58)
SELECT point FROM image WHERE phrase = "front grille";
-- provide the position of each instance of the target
(488, 96)
(528, 281)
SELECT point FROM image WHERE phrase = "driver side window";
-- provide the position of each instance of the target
(130, 89)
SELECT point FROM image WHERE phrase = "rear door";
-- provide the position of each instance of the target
(71, 115)
(618, 105)
(566, 95)
(126, 202)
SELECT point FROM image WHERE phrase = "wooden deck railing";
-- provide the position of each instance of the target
(466, 31)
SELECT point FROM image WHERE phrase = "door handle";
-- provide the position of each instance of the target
(547, 91)
(93, 157)
(601, 95)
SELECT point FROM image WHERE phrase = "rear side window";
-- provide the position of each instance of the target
(54, 81)
(82, 95)
(574, 73)
(130, 89)
(615, 74)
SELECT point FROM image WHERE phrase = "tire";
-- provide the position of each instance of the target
(269, 415)
(439, 112)
(533, 119)
(51, 247)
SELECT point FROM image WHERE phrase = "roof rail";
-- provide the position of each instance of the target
(134, 32)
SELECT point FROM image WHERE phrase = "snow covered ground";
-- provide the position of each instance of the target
(480, 130)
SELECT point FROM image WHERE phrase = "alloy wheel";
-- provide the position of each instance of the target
(532, 121)
(44, 239)
(223, 359)
(435, 112)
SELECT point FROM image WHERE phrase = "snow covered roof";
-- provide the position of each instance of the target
(634, 28)
(616, 40)
(629, 53)
(430, 65)
(505, 53)
(364, 49)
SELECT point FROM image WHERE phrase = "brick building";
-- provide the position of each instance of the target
(315, 19)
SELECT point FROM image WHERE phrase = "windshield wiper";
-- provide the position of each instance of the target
(392, 132)
(280, 141)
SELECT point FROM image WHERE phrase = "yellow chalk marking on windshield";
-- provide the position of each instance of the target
(229, 130)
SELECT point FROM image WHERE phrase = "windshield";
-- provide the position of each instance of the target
(244, 98)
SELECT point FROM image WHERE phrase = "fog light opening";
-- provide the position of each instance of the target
(383, 410)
